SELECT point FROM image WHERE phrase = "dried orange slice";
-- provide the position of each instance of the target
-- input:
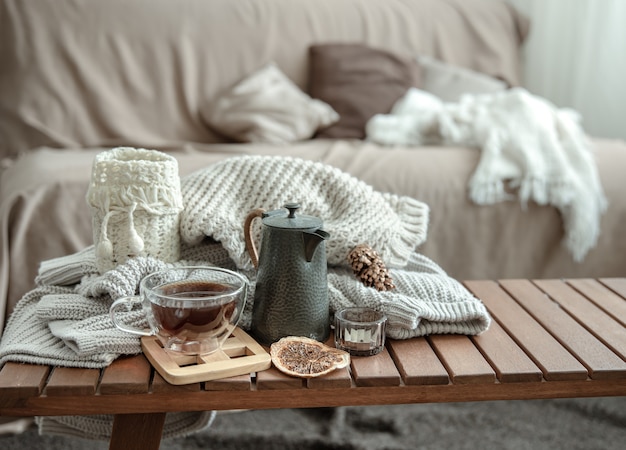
(306, 358)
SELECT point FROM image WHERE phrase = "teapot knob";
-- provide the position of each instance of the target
(292, 207)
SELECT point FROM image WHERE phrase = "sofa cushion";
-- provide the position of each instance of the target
(358, 81)
(449, 82)
(268, 107)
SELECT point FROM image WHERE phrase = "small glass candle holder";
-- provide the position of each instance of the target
(360, 331)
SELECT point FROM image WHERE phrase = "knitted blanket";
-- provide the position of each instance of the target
(218, 198)
(527, 145)
(65, 321)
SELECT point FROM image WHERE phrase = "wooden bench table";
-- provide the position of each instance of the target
(548, 339)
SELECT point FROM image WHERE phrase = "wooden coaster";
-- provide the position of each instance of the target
(239, 355)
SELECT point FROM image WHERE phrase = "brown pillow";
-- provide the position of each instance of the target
(358, 81)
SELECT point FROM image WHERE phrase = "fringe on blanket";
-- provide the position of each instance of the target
(527, 145)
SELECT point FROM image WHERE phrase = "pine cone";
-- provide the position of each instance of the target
(370, 268)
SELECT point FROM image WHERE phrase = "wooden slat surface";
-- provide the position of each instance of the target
(417, 362)
(127, 375)
(617, 285)
(548, 339)
(599, 360)
(509, 361)
(73, 381)
(160, 386)
(613, 304)
(377, 370)
(553, 359)
(464, 362)
(22, 380)
(588, 314)
(236, 383)
(339, 378)
(272, 378)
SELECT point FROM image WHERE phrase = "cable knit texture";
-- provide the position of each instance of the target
(99, 426)
(70, 325)
(218, 198)
(425, 300)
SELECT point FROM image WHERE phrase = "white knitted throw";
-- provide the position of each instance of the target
(65, 321)
(527, 145)
(218, 198)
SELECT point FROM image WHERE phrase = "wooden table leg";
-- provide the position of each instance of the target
(137, 431)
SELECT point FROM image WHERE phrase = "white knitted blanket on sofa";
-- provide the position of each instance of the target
(527, 145)
(64, 321)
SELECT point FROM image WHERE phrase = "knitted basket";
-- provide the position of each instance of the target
(136, 203)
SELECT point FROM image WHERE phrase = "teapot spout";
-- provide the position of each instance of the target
(311, 240)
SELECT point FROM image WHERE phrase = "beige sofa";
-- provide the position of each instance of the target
(82, 76)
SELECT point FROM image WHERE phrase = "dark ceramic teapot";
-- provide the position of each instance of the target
(291, 294)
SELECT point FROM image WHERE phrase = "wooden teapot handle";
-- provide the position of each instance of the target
(247, 232)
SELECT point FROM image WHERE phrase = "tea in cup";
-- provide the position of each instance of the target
(191, 310)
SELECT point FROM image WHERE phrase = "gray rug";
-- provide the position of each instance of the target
(597, 423)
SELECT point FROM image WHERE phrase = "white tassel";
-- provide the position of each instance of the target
(135, 242)
(105, 247)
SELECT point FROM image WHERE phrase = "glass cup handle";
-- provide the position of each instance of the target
(126, 301)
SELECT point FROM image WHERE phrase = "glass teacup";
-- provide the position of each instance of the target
(192, 310)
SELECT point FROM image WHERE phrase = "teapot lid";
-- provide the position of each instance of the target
(278, 219)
